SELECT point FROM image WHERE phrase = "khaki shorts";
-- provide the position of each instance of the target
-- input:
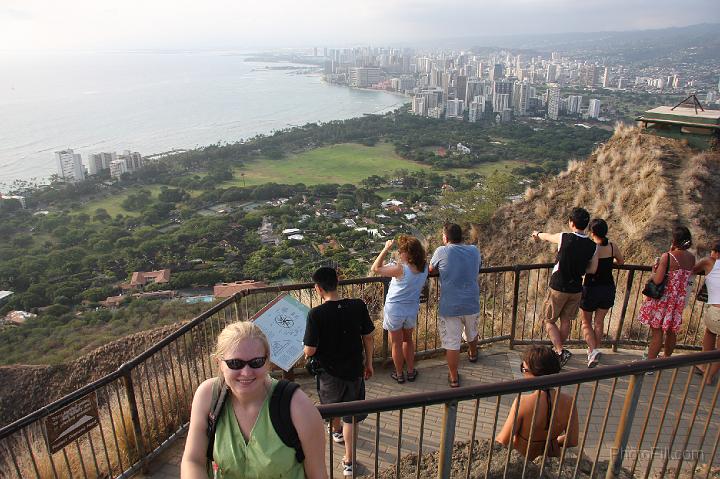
(711, 317)
(561, 305)
(453, 328)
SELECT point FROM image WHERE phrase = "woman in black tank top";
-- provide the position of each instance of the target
(598, 290)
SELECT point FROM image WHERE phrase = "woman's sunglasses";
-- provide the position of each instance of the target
(255, 363)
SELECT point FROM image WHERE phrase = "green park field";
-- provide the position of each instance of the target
(343, 163)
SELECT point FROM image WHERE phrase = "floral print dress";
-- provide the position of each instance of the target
(666, 313)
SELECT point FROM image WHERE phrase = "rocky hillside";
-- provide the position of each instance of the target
(27, 388)
(642, 185)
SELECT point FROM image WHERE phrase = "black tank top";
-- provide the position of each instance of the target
(572, 258)
(603, 276)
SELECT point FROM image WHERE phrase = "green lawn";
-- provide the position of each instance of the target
(343, 163)
(112, 203)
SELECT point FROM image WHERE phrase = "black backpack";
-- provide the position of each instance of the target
(279, 415)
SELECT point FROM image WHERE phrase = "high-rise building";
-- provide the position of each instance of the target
(606, 78)
(551, 73)
(69, 165)
(472, 89)
(591, 75)
(501, 102)
(553, 101)
(496, 72)
(117, 168)
(363, 77)
(477, 108)
(98, 162)
(461, 88)
(133, 160)
(594, 108)
(520, 97)
(418, 105)
(455, 109)
(574, 103)
(621, 83)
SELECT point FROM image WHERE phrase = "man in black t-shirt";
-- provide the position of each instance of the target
(339, 334)
(575, 257)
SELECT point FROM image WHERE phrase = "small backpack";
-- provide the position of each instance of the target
(279, 415)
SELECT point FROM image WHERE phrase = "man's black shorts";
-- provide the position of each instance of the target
(601, 296)
(334, 390)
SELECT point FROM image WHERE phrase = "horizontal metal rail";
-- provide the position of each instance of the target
(152, 392)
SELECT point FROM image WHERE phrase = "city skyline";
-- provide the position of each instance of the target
(42, 25)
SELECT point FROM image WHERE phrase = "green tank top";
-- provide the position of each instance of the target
(263, 456)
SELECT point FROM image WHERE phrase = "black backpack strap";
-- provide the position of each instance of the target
(281, 419)
(219, 393)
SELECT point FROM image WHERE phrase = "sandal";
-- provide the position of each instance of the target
(454, 384)
(472, 359)
(411, 375)
(697, 370)
(400, 379)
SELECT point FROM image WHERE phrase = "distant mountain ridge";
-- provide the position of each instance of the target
(631, 46)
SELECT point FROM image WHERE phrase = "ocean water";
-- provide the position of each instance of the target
(154, 102)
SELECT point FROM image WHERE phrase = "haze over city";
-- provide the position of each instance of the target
(41, 25)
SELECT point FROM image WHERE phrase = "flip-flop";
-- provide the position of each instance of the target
(472, 359)
(400, 379)
(698, 371)
(411, 375)
(454, 384)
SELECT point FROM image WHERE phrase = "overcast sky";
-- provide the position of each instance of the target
(252, 24)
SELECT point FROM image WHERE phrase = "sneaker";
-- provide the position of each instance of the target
(338, 438)
(593, 358)
(347, 468)
(564, 357)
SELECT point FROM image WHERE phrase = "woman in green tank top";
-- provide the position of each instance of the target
(246, 444)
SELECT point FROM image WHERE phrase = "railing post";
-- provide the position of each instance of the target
(515, 303)
(135, 417)
(447, 439)
(385, 339)
(622, 434)
(623, 311)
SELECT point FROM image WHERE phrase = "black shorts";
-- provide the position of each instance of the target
(333, 390)
(600, 296)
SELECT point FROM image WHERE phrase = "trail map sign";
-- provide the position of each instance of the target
(283, 322)
(71, 422)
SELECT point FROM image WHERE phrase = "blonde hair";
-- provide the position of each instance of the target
(233, 333)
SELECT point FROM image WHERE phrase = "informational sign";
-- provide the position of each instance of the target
(283, 322)
(71, 422)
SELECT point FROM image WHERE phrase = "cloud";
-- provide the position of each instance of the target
(190, 24)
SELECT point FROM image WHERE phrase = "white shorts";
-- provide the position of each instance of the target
(394, 323)
(711, 317)
(454, 328)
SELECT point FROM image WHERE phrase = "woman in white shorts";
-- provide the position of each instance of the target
(403, 300)
(711, 267)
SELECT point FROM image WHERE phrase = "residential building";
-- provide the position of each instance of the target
(140, 279)
(551, 73)
(594, 109)
(133, 160)
(497, 72)
(574, 102)
(521, 92)
(117, 168)
(455, 109)
(606, 78)
(98, 162)
(363, 77)
(69, 165)
(501, 101)
(477, 109)
(553, 101)
(418, 105)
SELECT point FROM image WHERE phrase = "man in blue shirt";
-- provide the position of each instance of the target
(458, 265)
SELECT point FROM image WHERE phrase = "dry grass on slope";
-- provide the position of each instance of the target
(642, 185)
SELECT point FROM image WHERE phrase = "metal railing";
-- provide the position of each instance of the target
(145, 404)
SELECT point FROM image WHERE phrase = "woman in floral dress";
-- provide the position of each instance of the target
(664, 315)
